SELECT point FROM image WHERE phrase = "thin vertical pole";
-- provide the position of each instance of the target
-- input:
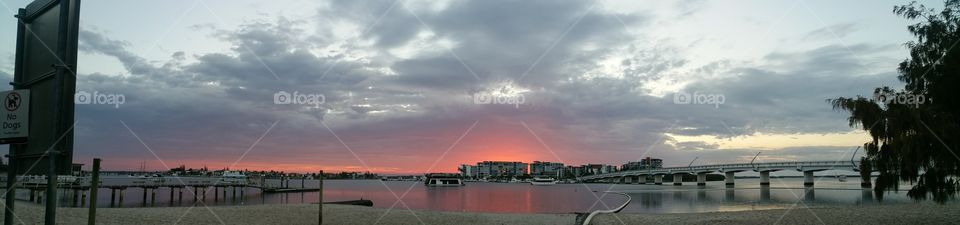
(120, 200)
(94, 186)
(59, 109)
(113, 196)
(8, 213)
(320, 197)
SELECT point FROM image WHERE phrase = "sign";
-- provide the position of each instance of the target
(15, 125)
(46, 64)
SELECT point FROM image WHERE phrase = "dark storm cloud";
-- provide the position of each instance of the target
(217, 104)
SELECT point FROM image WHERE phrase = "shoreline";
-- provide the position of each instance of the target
(913, 213)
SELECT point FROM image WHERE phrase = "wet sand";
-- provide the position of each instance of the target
(918, 213)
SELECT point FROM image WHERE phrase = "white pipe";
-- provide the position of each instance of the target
(594, 213)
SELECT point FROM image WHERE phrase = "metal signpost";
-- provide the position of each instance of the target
(45, 69)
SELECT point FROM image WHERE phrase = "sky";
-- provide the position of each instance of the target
(406, 87)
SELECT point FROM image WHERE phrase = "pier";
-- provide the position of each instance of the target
(78, 188)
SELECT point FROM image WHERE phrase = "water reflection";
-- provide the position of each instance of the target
(747, 194)
(808, 194)
(765, 193)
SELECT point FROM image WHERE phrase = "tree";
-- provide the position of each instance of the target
(914, 130)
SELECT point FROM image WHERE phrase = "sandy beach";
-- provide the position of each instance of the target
(919, 213)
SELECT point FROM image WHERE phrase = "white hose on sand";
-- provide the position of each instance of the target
(594, 213)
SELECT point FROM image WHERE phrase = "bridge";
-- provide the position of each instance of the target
(807, 167)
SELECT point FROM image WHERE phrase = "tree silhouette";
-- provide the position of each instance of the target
(914, 130)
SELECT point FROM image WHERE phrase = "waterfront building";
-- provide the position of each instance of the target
(546, 169)
(501, 168)
(646, 163)
(468, 171)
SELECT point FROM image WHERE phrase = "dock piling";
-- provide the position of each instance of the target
(120, 201)
(83, 200)
(113, 196)
(94, 188)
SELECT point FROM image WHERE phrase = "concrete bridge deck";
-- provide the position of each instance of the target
(807, 167)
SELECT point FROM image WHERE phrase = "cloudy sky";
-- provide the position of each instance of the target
(413, 86)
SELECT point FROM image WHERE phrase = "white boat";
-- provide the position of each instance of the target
(543, 181)
(443, 180)
(842, 178)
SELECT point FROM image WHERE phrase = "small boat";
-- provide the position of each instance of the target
(543, 181)
(842, 178)
(443, 180)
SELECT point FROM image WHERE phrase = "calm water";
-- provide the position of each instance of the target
(525, 198)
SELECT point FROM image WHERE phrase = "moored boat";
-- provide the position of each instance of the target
(443, 180)
(543, 181)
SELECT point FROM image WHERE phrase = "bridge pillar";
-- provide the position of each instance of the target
(658, 179)
(865, 182)
(643, 179)
(729, 178)
(701, 179)
(765, 178)
(677, 179)
(808, 178)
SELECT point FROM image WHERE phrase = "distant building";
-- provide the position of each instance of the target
(546, 169)
(468, 171)
(501, 168)
(647, 163)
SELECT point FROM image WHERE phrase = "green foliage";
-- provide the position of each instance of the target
(915, 143)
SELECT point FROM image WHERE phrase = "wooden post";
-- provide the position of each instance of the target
(171, 195)
(216, 194)
(94, 187)
(144, 203)
(153, 196)
(83, 200)
(320, 197)
(113, 196)
(76, 197)
(120, 201)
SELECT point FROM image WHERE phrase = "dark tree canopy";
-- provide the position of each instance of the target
(915, 131)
